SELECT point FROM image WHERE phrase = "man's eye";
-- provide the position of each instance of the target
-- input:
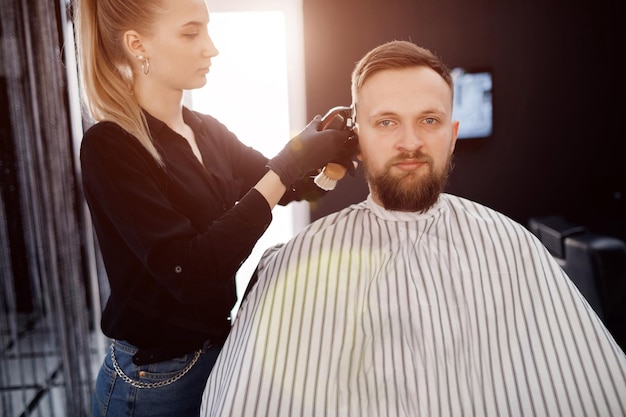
(385, 123)
(191, 35)
(430, 121)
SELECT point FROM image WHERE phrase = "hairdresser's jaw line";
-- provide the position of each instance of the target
(180, 48)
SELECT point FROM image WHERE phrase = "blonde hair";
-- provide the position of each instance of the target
(106, 74)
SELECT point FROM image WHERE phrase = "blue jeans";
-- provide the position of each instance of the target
(114, 397)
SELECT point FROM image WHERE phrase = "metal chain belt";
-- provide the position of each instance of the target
(139, 384)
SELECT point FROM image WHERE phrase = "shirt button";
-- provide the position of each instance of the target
(178, 269)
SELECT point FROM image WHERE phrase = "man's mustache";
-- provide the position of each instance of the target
(414, 156)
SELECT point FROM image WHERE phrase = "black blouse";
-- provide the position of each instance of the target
(173, 238)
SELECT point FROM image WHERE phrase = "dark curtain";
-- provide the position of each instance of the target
(44, 303)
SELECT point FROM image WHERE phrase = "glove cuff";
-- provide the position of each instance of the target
(285, 167)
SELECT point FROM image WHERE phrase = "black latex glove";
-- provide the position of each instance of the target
(346, 155)
(310, 150)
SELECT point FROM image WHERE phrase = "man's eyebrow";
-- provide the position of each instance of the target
(433, 110)
(383, 113)
(425, 112)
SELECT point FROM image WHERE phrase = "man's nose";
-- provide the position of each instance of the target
(410, 139)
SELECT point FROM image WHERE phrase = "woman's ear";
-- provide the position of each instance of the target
(133, 44)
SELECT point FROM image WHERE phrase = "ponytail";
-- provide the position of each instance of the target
(105, 74)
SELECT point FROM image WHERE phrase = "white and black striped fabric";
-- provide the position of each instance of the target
(458, 311)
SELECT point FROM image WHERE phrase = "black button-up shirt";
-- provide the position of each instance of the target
(173, 237)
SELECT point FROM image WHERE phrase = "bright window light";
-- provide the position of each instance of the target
(247, 86)
(247, 90)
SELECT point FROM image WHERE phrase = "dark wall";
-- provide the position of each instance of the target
(558, 96)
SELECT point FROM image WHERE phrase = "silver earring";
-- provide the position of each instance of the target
(145, 64)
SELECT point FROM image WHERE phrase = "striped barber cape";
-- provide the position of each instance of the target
(458, 311)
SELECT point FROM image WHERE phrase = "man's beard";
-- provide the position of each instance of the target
(411, 191)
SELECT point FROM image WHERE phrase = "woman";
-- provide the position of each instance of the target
(176, 200)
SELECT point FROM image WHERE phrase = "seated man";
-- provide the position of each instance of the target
(414, 302)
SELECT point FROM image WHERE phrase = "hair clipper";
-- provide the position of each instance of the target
(339, 118)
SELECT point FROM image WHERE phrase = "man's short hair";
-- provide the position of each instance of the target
(396, 55)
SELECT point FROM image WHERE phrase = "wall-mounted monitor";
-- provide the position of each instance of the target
(473, 105)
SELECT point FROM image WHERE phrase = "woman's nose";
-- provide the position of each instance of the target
(210, 50)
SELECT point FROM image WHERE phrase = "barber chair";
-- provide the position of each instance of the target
(596, 263)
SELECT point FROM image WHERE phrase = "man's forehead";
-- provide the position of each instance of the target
(415, 89)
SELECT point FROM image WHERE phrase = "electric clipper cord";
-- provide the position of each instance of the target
(339, 117)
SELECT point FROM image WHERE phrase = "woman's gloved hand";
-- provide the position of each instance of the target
(310, 150)
(345, 156)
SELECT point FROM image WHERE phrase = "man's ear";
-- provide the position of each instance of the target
(358, 154)
(455, 134)
(133, 43)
